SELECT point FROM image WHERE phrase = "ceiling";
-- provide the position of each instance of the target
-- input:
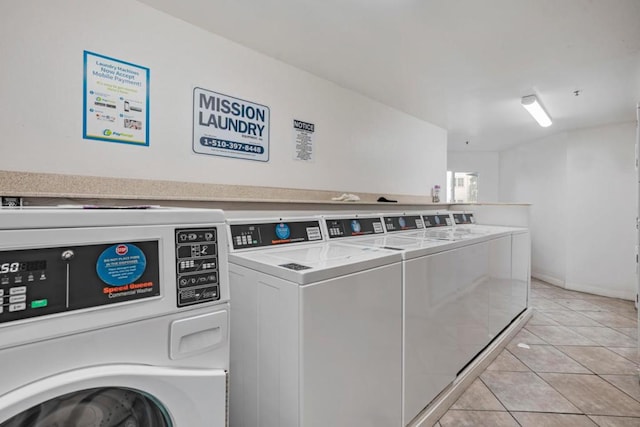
(460, 64)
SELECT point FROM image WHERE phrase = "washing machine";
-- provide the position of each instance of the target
(317, 328)
(449, 282)
(512, 293)
(113, 317)
(436, 225)
(443, 303)
(509, 290)
(465, 222)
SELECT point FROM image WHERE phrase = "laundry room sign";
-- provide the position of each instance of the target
(229, 127)
(116, 100)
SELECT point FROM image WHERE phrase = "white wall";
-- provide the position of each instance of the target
(486, 163)
(536, 173)
(361, 145)
(582, 186)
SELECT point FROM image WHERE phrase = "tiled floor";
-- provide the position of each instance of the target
(574, 364)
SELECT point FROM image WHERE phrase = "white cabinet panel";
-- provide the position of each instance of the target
(521, 271)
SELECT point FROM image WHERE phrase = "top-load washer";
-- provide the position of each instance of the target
(446, 297)
(113, 318)
(510, 288)
(520, 281)
(435, 225)
(466, 222)
(316, 336)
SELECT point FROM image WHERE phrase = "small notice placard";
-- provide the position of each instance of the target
(230, 127)
(303, 136)
(116, 100)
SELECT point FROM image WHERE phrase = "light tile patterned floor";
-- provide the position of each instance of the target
(574, 364)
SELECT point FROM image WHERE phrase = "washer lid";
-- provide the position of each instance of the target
(312, 263)
(408, 247)
(489, 229)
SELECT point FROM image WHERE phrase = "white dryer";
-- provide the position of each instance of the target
(113, 318)
(316, 337)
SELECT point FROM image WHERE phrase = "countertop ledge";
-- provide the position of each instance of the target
(54, 186)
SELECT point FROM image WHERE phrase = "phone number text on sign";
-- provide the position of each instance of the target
(227, 126)
(230, 145)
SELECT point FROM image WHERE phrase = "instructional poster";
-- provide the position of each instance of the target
(230, 127)
(303, 135)
(116, 100)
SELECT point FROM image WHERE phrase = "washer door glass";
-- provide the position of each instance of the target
(103, 407)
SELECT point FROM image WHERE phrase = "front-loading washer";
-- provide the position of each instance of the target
(113, 317)
(316, 337)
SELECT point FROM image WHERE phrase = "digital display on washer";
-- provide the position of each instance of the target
(42, 281)
(274, 233)
(350, 227)
(440, 220)
(464, 218)
(402, 223)
(17, 266)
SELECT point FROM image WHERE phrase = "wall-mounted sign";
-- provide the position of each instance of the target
(116, 100)
(229, 127)
(303, 134)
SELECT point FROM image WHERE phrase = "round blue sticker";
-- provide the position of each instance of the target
(283, 231)
(402, 222)
(355, 226)
(121, 264)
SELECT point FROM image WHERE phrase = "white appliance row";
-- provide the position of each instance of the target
(121, 317)
(364, 319)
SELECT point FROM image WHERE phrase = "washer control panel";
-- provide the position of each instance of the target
(439, 220)
(197, 266)
(350, 227)
(244, 236)
(403, 223)
(464, 218)
(42, 281)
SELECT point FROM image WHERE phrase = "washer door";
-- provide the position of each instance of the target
(104, 407)
(122, 396)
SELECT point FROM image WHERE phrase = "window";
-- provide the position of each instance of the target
(462, 187)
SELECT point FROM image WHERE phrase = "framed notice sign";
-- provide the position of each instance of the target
(230, 127)
(116, 100)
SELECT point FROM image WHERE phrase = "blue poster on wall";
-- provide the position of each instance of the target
(230, 127)
(116, 100)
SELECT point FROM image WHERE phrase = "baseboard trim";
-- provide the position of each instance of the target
(549, 279)
(596, 290)
(432, 413)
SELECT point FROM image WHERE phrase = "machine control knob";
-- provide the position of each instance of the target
(68, 255)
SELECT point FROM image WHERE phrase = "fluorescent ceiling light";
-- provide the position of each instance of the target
(535, 108)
